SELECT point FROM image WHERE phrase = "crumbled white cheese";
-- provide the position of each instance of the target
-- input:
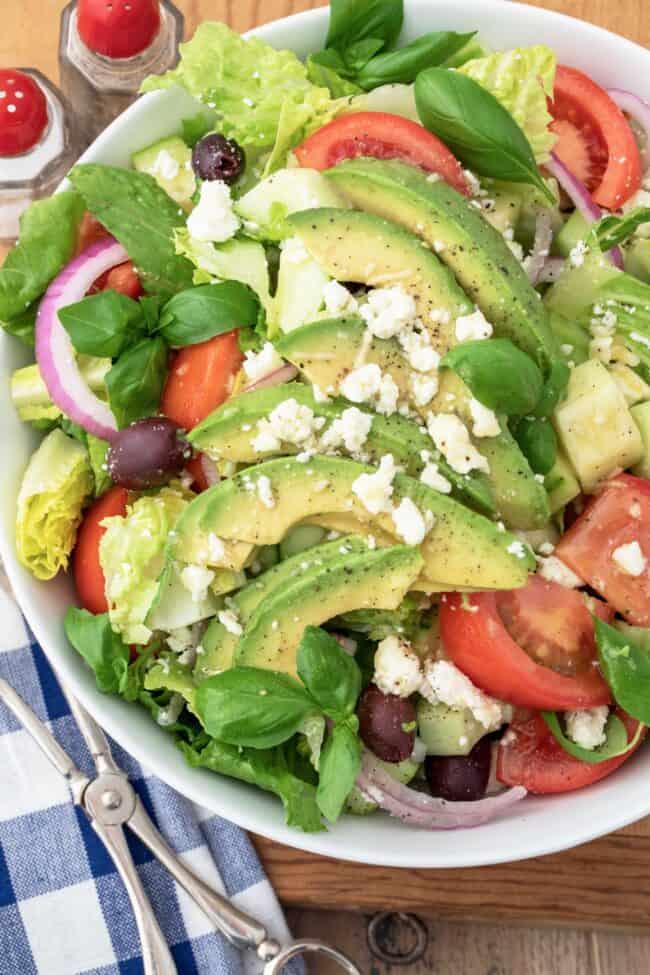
(473, 183)
(484, 420)
(518, 549)
(180, 639)
(375, 490)
(471, 328)
(566, 349)
(338, 300)
(362, 385)
(216, 549)
(409, 522)
(423, 388)
(388, 395)
(165, 166)
(451, 437)
(213, 218)
(578, 253)
(554, 570)
(587, 728)
(445, 683)
(290, 422)
(417, 348)
(294, 251)
(259, 364)
(350, 430)
(388, 311)
(397, 668)
(265, 491)
(229, 619)
(320, 396)
(196, 579)
(432, 477)
(630, 559)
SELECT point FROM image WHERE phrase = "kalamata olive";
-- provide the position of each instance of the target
(215, 157)
(147, 453)
(386, 724)
(461, 777)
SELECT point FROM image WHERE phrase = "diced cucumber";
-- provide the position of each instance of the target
(402, 772)
(576, 228)
(299, 295)
(641, 414)
(447, 731)
(170, 163)
(300, 538)
(637, 258)
(578, 287)
(634, 388)
(572, 339)
(595, 425)
(286, 191)
(174, 606)
(561, 483)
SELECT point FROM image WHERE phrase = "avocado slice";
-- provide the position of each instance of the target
(355, 246)
(230, 430)
(462, 548)
(219, 644)
(374, 580)
(188, 544)
(474, 251)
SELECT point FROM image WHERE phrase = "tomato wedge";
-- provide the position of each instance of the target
(532, 757)
(618, 515)
(595, 141)
(194, 468)
(201, 378)
(86, 567)
(500, 640)
(382, 136)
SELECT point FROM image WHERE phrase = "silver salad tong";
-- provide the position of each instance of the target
(111, 803)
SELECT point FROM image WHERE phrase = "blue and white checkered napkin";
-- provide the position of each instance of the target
(63, 908)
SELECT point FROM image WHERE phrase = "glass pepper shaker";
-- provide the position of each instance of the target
(39, 142)
(106, 50)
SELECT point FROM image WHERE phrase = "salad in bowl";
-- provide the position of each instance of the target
(405, 568)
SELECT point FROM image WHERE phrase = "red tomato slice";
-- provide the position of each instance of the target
(86, 567)
(532, 757)
(200, 379)
(501, 643)
(122, 278)
(618, 515)
(90, 230)
(595, 140)
(382, 136)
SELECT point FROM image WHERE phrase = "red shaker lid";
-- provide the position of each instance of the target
(23, 112)
(118, 28)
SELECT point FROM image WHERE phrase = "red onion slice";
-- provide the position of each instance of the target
(54, 352)
(428, 812)
(282, 375)
(541, 247)
(581, 198)
(637, 109)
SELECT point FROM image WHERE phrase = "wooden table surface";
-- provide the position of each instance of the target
(605, 883)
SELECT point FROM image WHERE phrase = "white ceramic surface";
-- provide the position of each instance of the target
(535, 826)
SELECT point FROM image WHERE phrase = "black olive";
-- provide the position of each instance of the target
(386, 724)
(147, 453)
(461, 777)
(215, 157)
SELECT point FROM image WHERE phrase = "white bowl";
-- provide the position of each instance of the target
(534, 827)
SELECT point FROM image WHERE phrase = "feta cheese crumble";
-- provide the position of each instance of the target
(350, 430)
(417, 348)
(587, 728)
(451, 437)
(554, 570)
(196, 579)
(388, 311)
(518, 549)
(213, 218)
(471, 328)
(485, 422)
(423, 388)
(265, 491)
(367, 384)
(578, 253)
(165, 165)
(409, 522)
(259, 364)
(445, 683)
(290, 422)
(630, 559)
(432, 477)
(397, 668)
(376, 490)
(229, 619)
(338, 300)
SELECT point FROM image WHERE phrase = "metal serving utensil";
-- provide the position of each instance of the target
(111, 803)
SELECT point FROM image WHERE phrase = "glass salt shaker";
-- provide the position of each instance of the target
(39, 142)
(106, 50)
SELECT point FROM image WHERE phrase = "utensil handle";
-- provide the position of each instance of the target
(309, 946)
(240, 929)
(156, 956)
(95, 737)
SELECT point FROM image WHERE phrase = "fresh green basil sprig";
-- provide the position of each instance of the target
(499, 375)
(258, 708)
(476, 127)
(615, 744)
(404, 65)
(537, 441)
(612, 230)
(353, 21)
(104, 324)
(624, 656)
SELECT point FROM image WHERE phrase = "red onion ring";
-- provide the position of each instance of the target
(541, 246)
(282, 375)
(581, 198)
(637, 109)
(428, 812)
(54, 352)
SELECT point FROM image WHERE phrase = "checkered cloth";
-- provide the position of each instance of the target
(63, 908)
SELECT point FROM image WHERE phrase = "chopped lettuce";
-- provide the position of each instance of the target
(57, 483)
(31, 398)
(313, 730)
(263, 97)
(132, 556)
(170, 675)
(97, 452)
(522, 80)
(236, 260)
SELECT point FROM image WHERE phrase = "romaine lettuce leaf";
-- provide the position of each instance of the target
(522, 80)
(30, 396)
(236, 260)
(57, 483)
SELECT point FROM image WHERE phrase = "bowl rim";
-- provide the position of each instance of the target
(193, 783)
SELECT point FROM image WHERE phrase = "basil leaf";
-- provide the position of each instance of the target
(476, 127)
(150, 307)
(22, 326)
(201, 313)
(537, 442)
(138, 213)
(355, 20)
(340, 762)
(357, 55)
(103, 324)
(615, 744)
(331, 676)
(612, 231)
(625, 663)
(102, 649)
(554, 388)
(135, 383)
(324, 75)
(403, 66)
(499, 374)
(252, 707)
